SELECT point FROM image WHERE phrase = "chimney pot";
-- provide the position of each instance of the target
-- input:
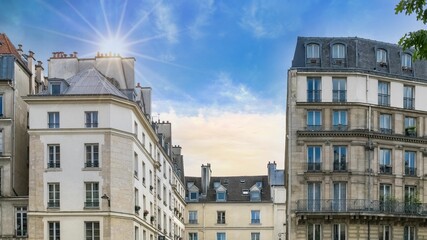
(19, 47)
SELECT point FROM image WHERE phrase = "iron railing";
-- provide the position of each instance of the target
(408, 103)
(94, 163)
(360, 205)
(339, 95)
(314, 95)
(314, 127)
(52, 164)
(92, 204)
(386, 169)
(410, 171)
(383, 99)
(340, 166)
(314, 167)
(340, 127)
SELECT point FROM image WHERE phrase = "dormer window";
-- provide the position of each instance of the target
(193, 192)
(312, 51)
(194, 196)
(338, 50)
(406, 61)
(55, 88)
(255, 195)
(382, 57)
(220, 196)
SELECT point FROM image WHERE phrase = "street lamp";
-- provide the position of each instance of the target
(106, 197)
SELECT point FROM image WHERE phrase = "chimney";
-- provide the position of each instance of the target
(20, 49)
(271, 170)
(206, 178)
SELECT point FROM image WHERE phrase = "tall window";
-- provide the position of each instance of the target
(255, 216)
(21, 221)
(409, 233)
(92, 231)
(91, 119)
(408, 97)
(313, 194)
(410, 193)
(383, 93)
(406, 61)
(1, 142)
(339, 90)
(54, 231)
(135, 167)
(410, 163)
(193, 236)
(339, 232)
(314, 120)
(53, 195)
(386, 203)
(340, 196)
(220, 236)
(313, 232)
(314, 90)
(339, 120)
(92, 155)
(312, 51)
(220, 217)
(92, 195)
(192, 217)
(314, 158)
(385, 123)
(1, 106)
(255, 236)
(385, 232)
(340, 158)
(143, 172)
(53, 119)
(136, 233)
(410, 127)
(381, 56)
(54, 156)
(385, 161)
(338, 51)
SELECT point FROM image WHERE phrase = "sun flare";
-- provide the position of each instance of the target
(113, 46)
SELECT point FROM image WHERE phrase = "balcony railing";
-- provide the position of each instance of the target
(361, 205)
(92, 204)
(90, 164)
(339, 95)
(386, 130)
(340, 127)
(192, 221)
(340, 166)
(408, 103)
(255, 220)
(314, 166)
(314, 95)
(91, 124)
(53, 125)
(54, 164)
(53, 204)
(411, 132)
(314, 127)
(383, 99)
(410, 171)
(386, 169)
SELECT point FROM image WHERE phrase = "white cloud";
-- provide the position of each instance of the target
(165, 22)
(202, 19)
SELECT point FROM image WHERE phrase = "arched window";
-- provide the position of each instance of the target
(406, 60)
(381, 56)
(313, 50)
(338, 50)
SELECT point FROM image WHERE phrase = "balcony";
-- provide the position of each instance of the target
(90, 164)
(53, 125)
(411, 131)
(383, 99)
(322, 206)
(340, 127)
(314, 167)
(255, 221)
(340, 166)
(92, 204)
(408, 103)
(314, 127)
(192, 221)
(339, 95)
(53, 204)
(386, 130)
(53, 164)
(91, 124)
(386, 169)
(314, 95)
(410, 171)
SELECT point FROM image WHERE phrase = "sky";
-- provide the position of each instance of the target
(218, 68)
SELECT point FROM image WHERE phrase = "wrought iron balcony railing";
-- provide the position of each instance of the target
(92, 164)
(408, 103)
(314, 127)
(92, 204)
(410, 171)
(340, 166)
(360, 205)
(340, 127)
(52, 164)
(314, 95)
(339, 95)
(383, 99)
(386, 169)
(53, 204)
(314, 166)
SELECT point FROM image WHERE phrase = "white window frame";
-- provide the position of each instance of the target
(313, 50)
(91, 119)
(92, 155)
(92, 227)
(21, 221)
(406, 61)
(55, 117)
(338, 51)
(54, 195)
(92, 194)
(381, 55)
(55, 228)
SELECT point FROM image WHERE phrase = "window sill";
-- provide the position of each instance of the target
(91, 208)
(92, 169)
(53, 170)
(255, 223)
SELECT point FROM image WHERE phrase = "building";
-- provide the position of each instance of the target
(99, 168)
(235, 207)
(18, 73)
(356, 141)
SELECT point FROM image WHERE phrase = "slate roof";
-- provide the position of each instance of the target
(6, 47)
(360, 56)
(234, 187)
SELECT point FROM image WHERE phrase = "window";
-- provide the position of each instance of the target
(411, 194)
(340, 158)
(194, 196)
(338, 51)
(135, 128)
(92, 155)
(220, 217)
(220, 196)
(410, 127)
(92, 231)
(53, 119)
(55, 88)
(383, 93)
(143, 139)
(339, 232)
(255, 236)
(135, 167)
(385, 123)
(21, 221)
(143, 172)
(54, 231)
(381, 56)
(136, 233)
(386, 202)
(339, 90)
(92, 195)
(1, 106)
(385, 161)
(1, 142)
(339, 119)
(406, 61)
(314, 120)
(193, 236)
(220, 236)
(313, 194)
(255, 216)
(314, 90)
(255, 195)
(340, 196)
(136, 199)
(312, 51)
(314, 158)
(91, 119)
(385, 232)
(408, 97)
(54, 156)
(409, 233)
(53, 196)
(410, 163)
(313, 232)
(192, 217)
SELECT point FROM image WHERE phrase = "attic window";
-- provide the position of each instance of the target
(220, 196)
(245, 191)
(242, 180)
(255, 195)
(55, 88)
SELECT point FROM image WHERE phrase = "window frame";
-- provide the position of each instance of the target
(338, 235)
(340, 152)
(21, 221)
(192, 217)
(2, 113)
(386, 123)
(91, 227)
(408, 97)
(92, 193)
(314, 158)
(340, 119)
(383, 93)
(220, 217)
(54, 195)
(314, 89)
(53, 120)
(381, 56)
(255, 216)
(339, 90)
(221, 236)
(406, 61)
(193, 236)
(54, 230)
(54, 156)
(338, 51)
(311, 51)
(314, 119)
(314, 231)
(221, 196)
(255, 236)
(91, 119)
(92, 155)
(410, 161)
(385, 161)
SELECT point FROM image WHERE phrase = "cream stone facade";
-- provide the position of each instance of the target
(356, 148)
(99, 168)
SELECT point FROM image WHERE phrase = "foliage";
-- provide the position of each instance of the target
(418, 39)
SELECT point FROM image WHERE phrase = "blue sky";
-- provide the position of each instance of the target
(217, 67)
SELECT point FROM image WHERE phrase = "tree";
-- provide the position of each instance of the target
(418, 39)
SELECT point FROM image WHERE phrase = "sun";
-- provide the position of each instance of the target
(113, 46)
